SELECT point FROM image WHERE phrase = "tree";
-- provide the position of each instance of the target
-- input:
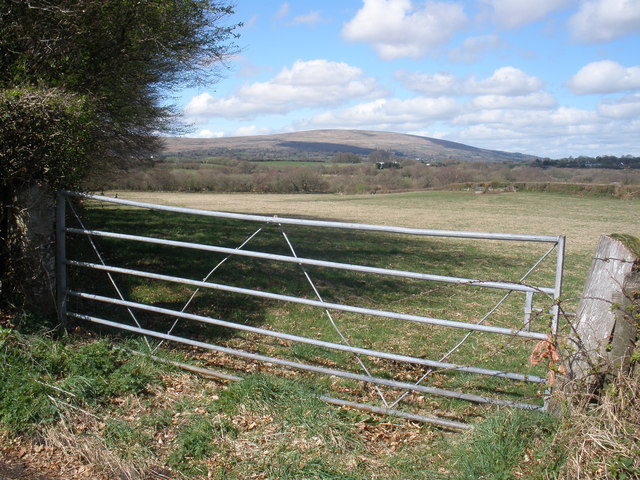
(83, 84)
(123, 55)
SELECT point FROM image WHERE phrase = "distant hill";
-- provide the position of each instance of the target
(321, 144)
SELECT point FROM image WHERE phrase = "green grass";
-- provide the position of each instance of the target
(510, 444)
(42, 377)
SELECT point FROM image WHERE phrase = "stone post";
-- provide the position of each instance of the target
(38, 226)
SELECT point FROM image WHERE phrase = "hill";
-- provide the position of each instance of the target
(320, 144)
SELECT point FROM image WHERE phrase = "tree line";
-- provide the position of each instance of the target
(222, 174)
(604, 161)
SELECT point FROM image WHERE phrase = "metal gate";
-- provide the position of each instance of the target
(522, 330)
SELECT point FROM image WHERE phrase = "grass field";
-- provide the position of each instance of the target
(581, 219)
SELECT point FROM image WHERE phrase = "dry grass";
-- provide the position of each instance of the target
(605, 439)
(91, 450)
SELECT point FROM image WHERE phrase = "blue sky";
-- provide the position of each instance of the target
(544, 77)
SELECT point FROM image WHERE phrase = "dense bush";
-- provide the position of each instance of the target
(45, 137)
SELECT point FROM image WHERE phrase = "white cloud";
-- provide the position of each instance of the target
(431, 84)
(414, 111)
(283, 11)
(250, 130)
(506, 81)
(533, 101)
(554, 133)
(206, 134)
(605, 76)
(604, 20)
(516, 13)
(397, 29)
(473, 48)
(534, 121)
(314, 83)
(310, 19)
(622, 108)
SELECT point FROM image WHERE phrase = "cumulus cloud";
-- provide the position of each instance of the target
(414, 111)
(397, 29)
(555, 133)
(534, 101)
(431, 84)
(516, 13)
(250, 130)
(314, 83)
(494, 126)
(474, 47)
(522, 131)
(505, 81)
(622, 108)
(604, 20)
(605, 76)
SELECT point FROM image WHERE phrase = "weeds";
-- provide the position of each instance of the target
(200, 437)
(509, 444)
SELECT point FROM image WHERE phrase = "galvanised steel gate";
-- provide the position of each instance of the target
(550, 293)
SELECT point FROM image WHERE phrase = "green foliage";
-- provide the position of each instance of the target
(294, 402)
(603, 161)
(127, 438)
(45, 136)
(191, 172)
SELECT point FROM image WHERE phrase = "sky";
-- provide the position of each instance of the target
(553, 78)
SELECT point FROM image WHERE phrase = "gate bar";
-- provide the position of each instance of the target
(315, 303)
(310, 368)
(321, 223)
(311, 341)
(321, 263)
(396, 413)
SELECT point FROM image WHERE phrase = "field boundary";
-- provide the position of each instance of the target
(552, 292)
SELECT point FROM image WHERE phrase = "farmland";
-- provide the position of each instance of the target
(271, 424)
